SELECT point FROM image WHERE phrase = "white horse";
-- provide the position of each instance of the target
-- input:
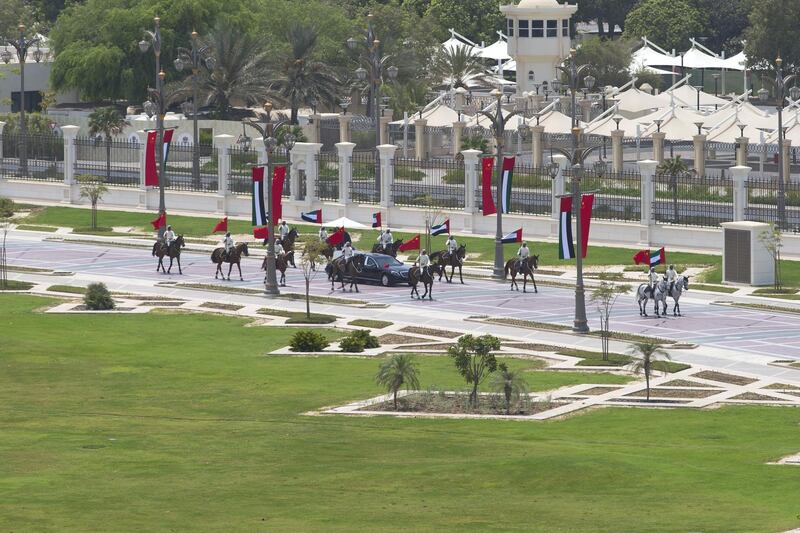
(681, 284)
(659, 294)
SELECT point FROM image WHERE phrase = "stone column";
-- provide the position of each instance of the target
(316, 125)
(537, 101)
(787, 149)
(739, 175)
(586, 110)
(699, 154)
(458, 132)
(261, 150)
(537, 132)
(421, 139)
(304, 157)
(222, 144)
(70, 153)
(386, 154)
(647, 170)
(658, 146)
(741, 151)
(2, 125)
(471, 173)
(344, 128)
(559, 184)
(345, 151)
(617, 159)
(384, 122)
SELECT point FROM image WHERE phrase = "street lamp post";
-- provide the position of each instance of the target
(780, 88)
(22, 44)
(156, 106)
(197, 56)
(498, 123)
(269, 132)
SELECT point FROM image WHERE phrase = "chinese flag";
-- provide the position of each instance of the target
(261, 233)
(336, 238)
(487, 167)
(160, 222)
(413, 244)
(642, 257)
(222, 226)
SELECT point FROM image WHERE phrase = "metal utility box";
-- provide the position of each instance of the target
(745, 259)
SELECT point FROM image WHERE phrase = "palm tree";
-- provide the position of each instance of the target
(241, 71)
(673, 168)
(107, 121)
(457, 66)
(649, 354)
(397, 371)
(92, 187)
(302, 80)
(511, 383)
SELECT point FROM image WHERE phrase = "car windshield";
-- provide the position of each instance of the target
(391, 261)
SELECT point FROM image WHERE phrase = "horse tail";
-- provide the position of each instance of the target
(507, 268)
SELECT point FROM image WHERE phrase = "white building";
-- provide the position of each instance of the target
(37, 80)
(538, 39)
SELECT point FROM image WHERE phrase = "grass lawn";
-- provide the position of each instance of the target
(107, 428)
(790, 274)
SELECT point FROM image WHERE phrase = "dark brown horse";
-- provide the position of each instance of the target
(455, 260)
(233, 258)
(526, 268)
(416, 276)
(341, 269)
(288, 245)
(377, 248)
(281, 264)
(173, 251)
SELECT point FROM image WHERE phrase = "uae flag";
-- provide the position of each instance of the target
(508, 172)
(412, 244)
(259, 213)
(566, 248)
(261, 233)
(376, 220)
(658, 257)
(278, 177)
(514, 236)
(222, 226)
(336, 238)
(487, 166)
(441, 228)
(160, 222)
(315, 217)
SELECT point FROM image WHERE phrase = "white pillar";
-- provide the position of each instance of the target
(559, 184)
(617, 160)
(458, 132)
(739, 175)
(741, 151)
(537, 132)
(658, 146)
(384, 123)
(2, 124)
(699, 154)
(344, 128)
(471, 172)
(787, 168)
(421, 139)
(222, 144)
(345, 151)
(261, 150)
(386, 154)
(304, 157)
(647, 169)
(70, 153)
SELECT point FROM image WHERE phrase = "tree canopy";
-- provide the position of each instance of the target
(669, 23)
(774, 32)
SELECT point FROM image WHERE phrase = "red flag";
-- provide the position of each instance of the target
(487, 167)
(642, 257)
(336, 238)
(278, 177)
(150, 171)
(160, 222)
(376, 220)
(261, 233)
(222, 225)
(413, 244)
(587, 200)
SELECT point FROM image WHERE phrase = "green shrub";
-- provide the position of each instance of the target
(98, 298)
(6, 207)
(307, 340)
(370, 341)
(351, 344)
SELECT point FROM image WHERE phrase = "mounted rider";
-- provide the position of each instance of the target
(652, 279)
(228, 244)
(424, 262)
(169, 237)
(347, 253)
(522, 255)
(279, 251)
(323, 234)
(451, 246)
(672, 277)
(386, 239)
(283, 230)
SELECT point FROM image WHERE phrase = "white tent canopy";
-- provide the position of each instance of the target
(497, 51)
(554, 122)
(728, 130)
(737, 62)
(748, 114)
(344, 222)
(606, 125)
(453, 43)
(677, 124)
(695, 58)
(648, 57)
(437, 116)
(689, 95)
(635, 101)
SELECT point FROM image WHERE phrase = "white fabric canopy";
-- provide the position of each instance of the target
(437, 116)
(453, 42)
(606, 125)
(689, 95)
(737, 62)
(728, 130)
(695, 58)
(344, 222)
(677, 124)
(508, 66)
(747, 114)
(648, 57)
(554, 122)
(497, 51)
(635, 101)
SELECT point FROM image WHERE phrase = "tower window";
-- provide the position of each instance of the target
(565, 28)
(510, 28)
(537, 28)
(523, 28)
(552, 28)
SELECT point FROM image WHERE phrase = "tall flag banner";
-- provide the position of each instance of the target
(278, 177)
(514, 236)
(412, 244)
(658, 257)
(642, 257)
(259, 213)
(444, 227)
(165, 146)
(487, 166)
(566, 249)
(508, 172)
(160, 222)
(150, 171)
(261, 233)
(376, 220)
(336, 238)
(222, 226)
(315, 217)
(587, 200)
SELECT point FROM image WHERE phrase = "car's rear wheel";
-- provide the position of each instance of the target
(385, 281)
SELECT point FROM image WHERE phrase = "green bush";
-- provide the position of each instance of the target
(351, 344)
(307, 340)
(370, 341)
(98, 298)
(6, 207)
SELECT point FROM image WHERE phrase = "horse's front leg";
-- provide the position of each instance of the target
(169, 270)
(230, 267)
(239, 266)
(524, 283)
(180, 270)
(460, 274)
(535, 288)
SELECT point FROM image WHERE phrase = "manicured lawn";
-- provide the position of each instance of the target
(177, 422)
(790, 274)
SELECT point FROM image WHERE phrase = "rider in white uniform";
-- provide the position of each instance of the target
(283, 230)
(451, 245)
(279, 251)
(228, 243)
(347, 253)
(424, 262)
(169, 236)
(388, 240)
(652, 278)
(323, 234)
(672, 277)
(523, 253)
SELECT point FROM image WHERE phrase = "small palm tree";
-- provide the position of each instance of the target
(397, 371)
(457, 66)
(674, 168)
(108, 122)
(511, 383)
(302, 80)
(648, 353)
(92, 187)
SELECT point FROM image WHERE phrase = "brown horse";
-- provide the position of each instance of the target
(377, 248)
(340, 269)
(526, 268)
(416, 276)
(281, 264)
(445, 259)
(288, 245)
(233, 258)
(173, 251)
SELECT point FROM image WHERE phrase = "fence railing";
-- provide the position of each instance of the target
(328, 176)
(762, 202)
(43, 161)
(617, 195)
(428, 183)
(692, 200)
(363, 185)
(116, 161)
(180, 174)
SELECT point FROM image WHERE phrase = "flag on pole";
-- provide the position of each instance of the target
(566, 250)
(441, 228)
(514, 236)
(587, 200)
(412, 244)
(160, 222)
(165, 145)
(261, 233)
(658, 257)
(259, 213)
(642, 257)
(487, 166)
(315, 217)
(376, 220)
(508, 172)
(336, 238)
(150, 171)
(278, 177)
(222, 226)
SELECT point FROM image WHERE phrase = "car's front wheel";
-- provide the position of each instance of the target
(385, 281)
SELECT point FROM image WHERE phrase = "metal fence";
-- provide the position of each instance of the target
(116, 161)
(329, 133)
(762, 202)
(44, 159)
(531, 190)
(328, 176)
(693, 200)
(617, 195)
(179, 171)
(428, 183)
(362, 132)
(363, 185)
